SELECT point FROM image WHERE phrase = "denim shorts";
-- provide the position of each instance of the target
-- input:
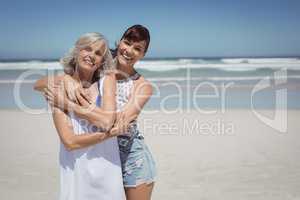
(138, 165)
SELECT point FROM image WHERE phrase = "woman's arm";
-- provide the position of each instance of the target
(103, 116)
(44, 82)
(69, 139)
(141, 94)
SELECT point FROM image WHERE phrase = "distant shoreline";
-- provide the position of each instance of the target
(158, 58)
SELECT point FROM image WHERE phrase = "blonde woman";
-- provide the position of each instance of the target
(89, 158)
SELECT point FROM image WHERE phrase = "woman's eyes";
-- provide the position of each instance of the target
(88, 48)
(126, 42)
(139, 49)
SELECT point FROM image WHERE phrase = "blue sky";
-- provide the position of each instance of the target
(190, 28)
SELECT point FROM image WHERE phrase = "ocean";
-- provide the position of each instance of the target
(207, 84)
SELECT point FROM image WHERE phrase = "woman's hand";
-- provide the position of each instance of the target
(75, 92)
(121, 125)
(56, 96)
(70, 86)
(83, 97)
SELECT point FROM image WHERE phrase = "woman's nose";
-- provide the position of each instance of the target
(129, 51)
(92, 56)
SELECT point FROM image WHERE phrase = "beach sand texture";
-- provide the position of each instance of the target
(231, 155)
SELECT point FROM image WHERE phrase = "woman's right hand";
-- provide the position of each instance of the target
(70, 86)
(56, 96)
(121, 125)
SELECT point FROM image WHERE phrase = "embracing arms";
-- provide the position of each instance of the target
(141, 94)
(103, 116)
(72, 141)
(62, 121)
(63, 92)
(46, 81)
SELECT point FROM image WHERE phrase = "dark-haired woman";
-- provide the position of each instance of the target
(133, 92)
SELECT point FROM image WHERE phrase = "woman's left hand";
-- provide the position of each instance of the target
(56, 96)
(83, 97)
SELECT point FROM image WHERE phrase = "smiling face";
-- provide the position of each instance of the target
(91, 57)
(129, 52)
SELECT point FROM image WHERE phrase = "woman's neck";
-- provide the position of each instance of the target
(84, 79)
(126, 71)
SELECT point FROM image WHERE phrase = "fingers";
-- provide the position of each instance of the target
(118, 116)
(48, 92)
(120, 126)
(132, 118)
(72, 96)
(122, 123)
(49, 98)
(49, 95)
(113, 131)
(70, 86)
(75, 92)
(87, 106)
(87, 95)
(51, 89)
(81, 100)
(70, 90)
(54, 94)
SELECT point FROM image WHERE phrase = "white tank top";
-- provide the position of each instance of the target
(90, 173)
(124, 91)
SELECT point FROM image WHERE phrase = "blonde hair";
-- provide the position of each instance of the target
(69, 60)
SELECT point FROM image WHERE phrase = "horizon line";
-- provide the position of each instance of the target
(167, 57)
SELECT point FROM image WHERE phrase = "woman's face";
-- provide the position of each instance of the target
(91, 57)
(130, 52)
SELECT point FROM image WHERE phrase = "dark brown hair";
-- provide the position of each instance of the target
(135, 33)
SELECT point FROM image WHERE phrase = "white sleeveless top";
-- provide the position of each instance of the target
(124, 90)
(92, 173)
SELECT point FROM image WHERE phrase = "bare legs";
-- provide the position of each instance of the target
(141, 192)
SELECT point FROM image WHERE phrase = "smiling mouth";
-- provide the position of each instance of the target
(88, 61)
(126, 57)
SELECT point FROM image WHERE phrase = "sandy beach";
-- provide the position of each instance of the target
(222, 121)
(231, 155)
